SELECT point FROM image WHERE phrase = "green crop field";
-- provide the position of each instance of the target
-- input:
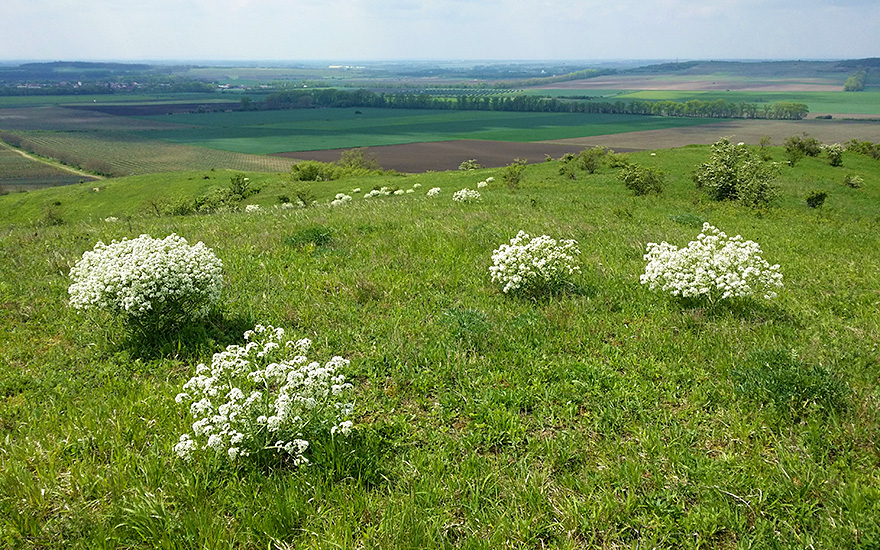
(598, 415)
(262, 132)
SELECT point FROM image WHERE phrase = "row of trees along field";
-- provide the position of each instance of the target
(717, 108)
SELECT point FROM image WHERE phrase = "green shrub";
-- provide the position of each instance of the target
(312, 170)
(589, 160)
(567, 166)
(866, 148)
(642, 180)
(796, 147)
(735, 172)
(853, 180)
(471, 164)
(816, 198)
(617, 160)
(513, 173)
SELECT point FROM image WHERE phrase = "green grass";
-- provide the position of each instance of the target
(262, 132)
(606, 416)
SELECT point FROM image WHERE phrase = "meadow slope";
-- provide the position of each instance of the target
(600, 416)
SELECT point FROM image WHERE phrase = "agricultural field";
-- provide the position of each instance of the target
(596, 414)
(124, 153)
(20, 173)
(264, 132)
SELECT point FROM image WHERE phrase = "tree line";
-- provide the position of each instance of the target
(716, 108)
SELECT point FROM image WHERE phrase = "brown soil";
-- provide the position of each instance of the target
(448, 155)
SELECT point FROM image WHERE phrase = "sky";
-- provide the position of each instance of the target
(152, 30)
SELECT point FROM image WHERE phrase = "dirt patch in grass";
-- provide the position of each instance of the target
(448, 155)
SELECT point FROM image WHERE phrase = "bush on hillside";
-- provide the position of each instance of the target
(642, 180)
(735, 172)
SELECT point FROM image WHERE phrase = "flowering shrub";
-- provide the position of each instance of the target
(251, 208)
(264, 398)
(736, 172)
(834, 153)
(151, 283)
(482, 184)
(433, 192)
(383, 192)
(714, 266)
(341, 199)
(534, 264)
(467, 195)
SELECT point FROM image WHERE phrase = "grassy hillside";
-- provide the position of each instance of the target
(602, 416)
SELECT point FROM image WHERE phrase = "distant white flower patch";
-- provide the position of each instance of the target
(341, 199)
(467, 195)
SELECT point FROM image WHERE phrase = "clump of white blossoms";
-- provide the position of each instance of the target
(534, 264)
(714, 266)
(382, 192)
(252, 208)
(264, 398)
(467, 195)
(482, 184)
(433, 192)
(150, 283)
(341, 199)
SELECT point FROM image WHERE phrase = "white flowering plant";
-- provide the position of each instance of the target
(714, 267)
(150, 283)
(433, 192)
(341, 199)
(264, 399)
(467, 195)
(534, 264)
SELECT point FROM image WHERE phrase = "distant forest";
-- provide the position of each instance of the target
(717, 108)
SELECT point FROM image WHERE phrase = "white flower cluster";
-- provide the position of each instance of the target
(341, 199)
(382, 192)
(433, 192)
(252, 208)
(714, 266)
(534, 263)
(264, 397)
(467, 195)
(146, 278)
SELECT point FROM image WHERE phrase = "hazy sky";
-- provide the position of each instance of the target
(437, 29)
